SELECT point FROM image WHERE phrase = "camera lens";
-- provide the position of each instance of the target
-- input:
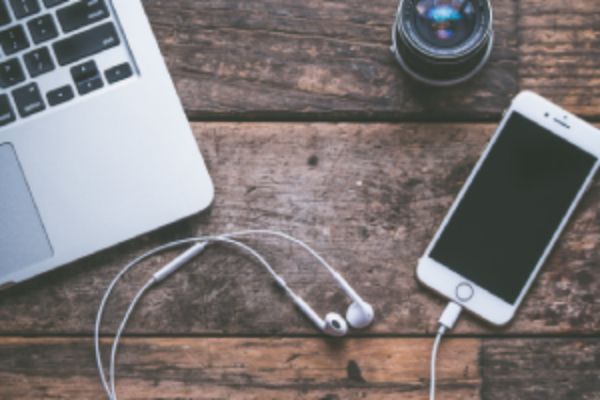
(443, 42)
(443, 24)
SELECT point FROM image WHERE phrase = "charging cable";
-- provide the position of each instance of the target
(446, 323)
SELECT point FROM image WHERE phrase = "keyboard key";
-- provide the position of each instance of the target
(81, 13)
(52, 3)
(25, 8)
(13, 40)
(85, 44)
(84, 70)
(89, 85)
(87, 77)
(4, 15)
(11, 73)
(118, 73)
(60, 95)
(28, 100)
(42, 28)
(7, 114)
(38, 62)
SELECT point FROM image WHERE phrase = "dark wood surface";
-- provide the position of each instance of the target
(314, 59)
(369, 196)
(330, 60)
(295, 368)
(320, 135)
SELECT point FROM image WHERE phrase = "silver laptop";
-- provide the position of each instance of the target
(94, 145)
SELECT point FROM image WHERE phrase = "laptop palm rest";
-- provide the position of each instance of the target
(23, 239)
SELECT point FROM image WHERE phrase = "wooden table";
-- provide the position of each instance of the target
(308, 126)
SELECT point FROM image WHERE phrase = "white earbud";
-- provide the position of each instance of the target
(360, 315)
(335, 325)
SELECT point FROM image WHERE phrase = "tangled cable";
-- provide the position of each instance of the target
(199, 243)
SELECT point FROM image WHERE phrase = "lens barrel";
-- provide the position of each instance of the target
(443, 42)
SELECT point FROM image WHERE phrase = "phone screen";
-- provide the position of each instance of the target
(513, 207)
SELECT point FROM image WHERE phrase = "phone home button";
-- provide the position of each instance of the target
(464, 292)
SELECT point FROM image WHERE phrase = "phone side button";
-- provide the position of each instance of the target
(464, 292)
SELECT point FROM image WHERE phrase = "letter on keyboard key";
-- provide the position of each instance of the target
(38, 62)
(4, 15)
(13, 40)
(81, 13)
(85, 44)
(11, 73)
(28, 100)
(87, 77)
(42, 28)
(25, 8)
(7, 114)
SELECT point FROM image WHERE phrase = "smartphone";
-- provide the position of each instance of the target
(512, 208)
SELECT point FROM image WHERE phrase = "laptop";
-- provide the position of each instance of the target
(95, 147)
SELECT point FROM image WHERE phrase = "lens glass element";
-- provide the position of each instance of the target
(445, 23)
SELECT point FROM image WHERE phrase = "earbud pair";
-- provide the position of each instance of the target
(359, 315)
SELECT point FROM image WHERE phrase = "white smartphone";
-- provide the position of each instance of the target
(512, 208)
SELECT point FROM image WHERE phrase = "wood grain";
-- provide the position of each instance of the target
(314, 59)
(540, 369)
(368, 196)
(235, 369)
(286, 369)
(559, 52)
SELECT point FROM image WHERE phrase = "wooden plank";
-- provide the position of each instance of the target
(368, 196)
(373, 369)
(559, 52)
(540, 369)
(288, 59)
(282, 369)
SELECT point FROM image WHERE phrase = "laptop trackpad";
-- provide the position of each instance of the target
(23, 239)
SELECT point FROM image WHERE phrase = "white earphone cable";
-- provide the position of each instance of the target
(122, 325)
(109, 384)
(107, 294)
(292, 239)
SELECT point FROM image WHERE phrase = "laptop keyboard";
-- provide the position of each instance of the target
(53, 51)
